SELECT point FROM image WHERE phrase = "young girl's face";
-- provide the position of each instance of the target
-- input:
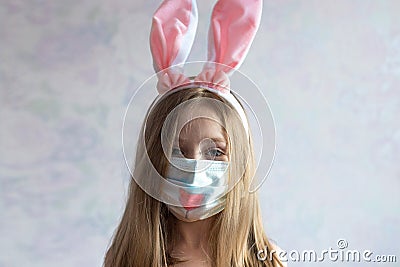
(202, 138)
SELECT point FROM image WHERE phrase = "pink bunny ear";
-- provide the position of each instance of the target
(234, 24)
(171, 39)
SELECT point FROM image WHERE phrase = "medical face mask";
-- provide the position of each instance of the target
(199, 186)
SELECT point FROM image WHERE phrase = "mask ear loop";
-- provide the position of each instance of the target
(171, 38)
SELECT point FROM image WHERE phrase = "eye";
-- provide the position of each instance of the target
(213, 153)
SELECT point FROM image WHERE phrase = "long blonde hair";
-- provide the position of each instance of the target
(145, 234)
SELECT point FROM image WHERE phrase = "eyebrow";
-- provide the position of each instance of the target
(219, 140)
(215, 139)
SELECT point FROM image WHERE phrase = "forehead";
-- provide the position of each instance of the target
(198, 119)
(199, 129)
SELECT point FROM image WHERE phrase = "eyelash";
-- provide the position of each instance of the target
(217, 152)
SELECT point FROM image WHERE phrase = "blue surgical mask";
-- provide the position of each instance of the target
(201, 187)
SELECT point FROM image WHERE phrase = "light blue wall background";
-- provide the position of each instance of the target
(329, 69)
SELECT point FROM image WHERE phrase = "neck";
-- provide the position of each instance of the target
(194, 234)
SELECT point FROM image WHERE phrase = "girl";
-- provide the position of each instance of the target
(188, 202)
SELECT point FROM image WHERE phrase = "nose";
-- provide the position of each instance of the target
(193, 153)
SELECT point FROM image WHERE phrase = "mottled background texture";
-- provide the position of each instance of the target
(329, 69)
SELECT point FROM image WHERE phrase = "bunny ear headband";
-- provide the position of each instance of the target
(233, 26)
(232, 29)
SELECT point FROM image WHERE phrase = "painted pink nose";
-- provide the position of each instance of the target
(190, 201)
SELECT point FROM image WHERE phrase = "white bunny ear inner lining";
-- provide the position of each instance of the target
(172, 34)
(188, 38)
